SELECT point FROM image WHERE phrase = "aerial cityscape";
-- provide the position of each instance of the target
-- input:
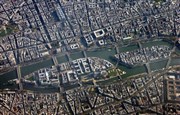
(89, 57)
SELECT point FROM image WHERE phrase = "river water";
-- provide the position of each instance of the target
(105, 53)
(34, 67)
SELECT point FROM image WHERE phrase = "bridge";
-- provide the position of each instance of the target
(55, 61)
(84, 53)
(148, 68)
(169, 59)
(168, 62)
(140, 45)
(117, 49)
(68, 56)
(18, 69)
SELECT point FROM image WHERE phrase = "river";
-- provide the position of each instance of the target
(5, 78)
(105, 53)
(34, 67)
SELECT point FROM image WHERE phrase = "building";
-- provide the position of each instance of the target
(172, 87)
(48, 76)
(99, 33)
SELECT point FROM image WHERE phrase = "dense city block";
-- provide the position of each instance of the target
(89, 57)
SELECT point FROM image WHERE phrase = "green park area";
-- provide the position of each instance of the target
(9, 29)
(115, 72)
(32, 78)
